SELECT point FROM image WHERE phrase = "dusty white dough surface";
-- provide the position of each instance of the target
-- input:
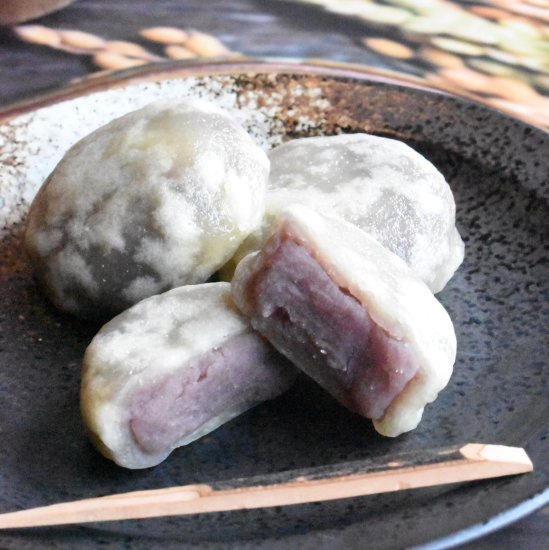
(379, 184)
(158, 198)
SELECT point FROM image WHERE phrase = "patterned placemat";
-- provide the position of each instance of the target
(497, 51)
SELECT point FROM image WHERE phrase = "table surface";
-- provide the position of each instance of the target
(503, 59)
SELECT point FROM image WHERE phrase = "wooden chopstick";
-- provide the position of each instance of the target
(366, 477)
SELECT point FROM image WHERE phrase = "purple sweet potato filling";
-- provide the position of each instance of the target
(243, 371)
(326, 331)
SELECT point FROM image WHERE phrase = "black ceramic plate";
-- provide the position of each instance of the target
(497, 168)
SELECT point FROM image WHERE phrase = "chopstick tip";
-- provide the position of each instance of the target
(498, 453)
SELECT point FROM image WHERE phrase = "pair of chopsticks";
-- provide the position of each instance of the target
(344, 480)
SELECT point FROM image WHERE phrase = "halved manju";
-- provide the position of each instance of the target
(351, 314)
(173, 368)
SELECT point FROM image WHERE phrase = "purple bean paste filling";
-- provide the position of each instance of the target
(243, 371)
(325, 331)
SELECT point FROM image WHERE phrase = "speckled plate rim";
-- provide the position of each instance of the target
(164, 70)
(233, 66)
(497, 522)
